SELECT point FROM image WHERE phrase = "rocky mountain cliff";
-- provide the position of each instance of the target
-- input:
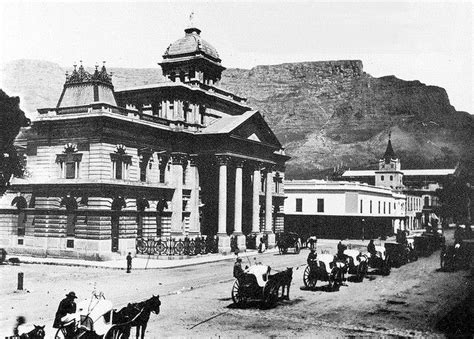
(325, 113)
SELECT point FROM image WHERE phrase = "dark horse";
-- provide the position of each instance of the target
(137, 315)
(36, 333)
(283, 279)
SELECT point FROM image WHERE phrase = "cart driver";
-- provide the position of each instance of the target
(66, 306)
(238, 271)
(312, 258)
(371, 248)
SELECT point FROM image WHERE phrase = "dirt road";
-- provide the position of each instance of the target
(196, 300)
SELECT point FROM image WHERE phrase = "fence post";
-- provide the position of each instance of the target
(20, 281)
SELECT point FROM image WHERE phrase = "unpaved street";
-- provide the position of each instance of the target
(196, 299)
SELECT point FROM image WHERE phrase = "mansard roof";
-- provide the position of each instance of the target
(82, 88)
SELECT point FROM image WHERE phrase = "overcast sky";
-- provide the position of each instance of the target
(423, 40)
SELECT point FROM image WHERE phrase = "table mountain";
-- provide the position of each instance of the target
(326, 114)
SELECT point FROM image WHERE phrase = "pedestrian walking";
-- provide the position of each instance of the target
(129, 262)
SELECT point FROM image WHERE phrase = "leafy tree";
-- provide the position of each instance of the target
(12, 118)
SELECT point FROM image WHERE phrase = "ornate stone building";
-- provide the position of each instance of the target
(177, 159)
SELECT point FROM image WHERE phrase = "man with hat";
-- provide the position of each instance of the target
(312, 257)
(66, 306)
(238, 270)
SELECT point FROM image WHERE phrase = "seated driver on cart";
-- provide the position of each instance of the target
(371, 249)
(340, 251)
(66, 307)
(312, 258)
(238, 271)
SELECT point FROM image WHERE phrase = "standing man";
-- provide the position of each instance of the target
(129, 262)
(66, 306)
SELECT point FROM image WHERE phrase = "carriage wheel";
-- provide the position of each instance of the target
(297, 248)
(270, 294)
(237, 295)
(385, 268)
(60, 333)
(116, 332)
(309, 278)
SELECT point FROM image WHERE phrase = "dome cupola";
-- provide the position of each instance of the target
(192, 59)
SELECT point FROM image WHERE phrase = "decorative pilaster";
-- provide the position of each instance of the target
(238, 206)
(224, 240)
(178, 161)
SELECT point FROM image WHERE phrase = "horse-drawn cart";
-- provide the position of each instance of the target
(324, 268)
(288, 240)
(379, 262)
(96, 318)
(356, 263)
(256, 283)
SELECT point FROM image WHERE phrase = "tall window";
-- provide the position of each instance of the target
(120, 162)
(370, 206)
(384, 207)
(381, 178)
(361, 206)
(320, 205)
(69, 162)
(379, 207)
(299, 205)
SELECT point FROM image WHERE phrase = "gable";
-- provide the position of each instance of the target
(257, 130)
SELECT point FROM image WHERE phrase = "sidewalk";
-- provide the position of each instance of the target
(143, 263)
(140, 263)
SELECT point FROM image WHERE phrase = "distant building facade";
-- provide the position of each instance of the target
(178, 159)
(341, 209)
(416, 184)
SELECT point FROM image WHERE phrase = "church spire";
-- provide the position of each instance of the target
(389, 153)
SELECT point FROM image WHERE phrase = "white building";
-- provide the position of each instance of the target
(340, 209)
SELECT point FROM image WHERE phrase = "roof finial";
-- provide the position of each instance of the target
(389, 134)
(191, 19)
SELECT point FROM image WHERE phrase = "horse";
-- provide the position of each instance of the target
(283, 279)
(137, 315)
(36, 333)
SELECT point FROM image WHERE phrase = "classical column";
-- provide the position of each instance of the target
(238, 206)
(178, 160)
(224, 240)
(269, 207)
(195, 227)
(238, 197)
(256, 199)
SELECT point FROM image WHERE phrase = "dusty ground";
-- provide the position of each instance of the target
(196, 301)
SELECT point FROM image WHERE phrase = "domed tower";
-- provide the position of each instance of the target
(83, 88)
(192, 59)
(389, 173)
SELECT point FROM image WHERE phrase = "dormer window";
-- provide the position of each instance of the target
(69, 162)
(120, 162)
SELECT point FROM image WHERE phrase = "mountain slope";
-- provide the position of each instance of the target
(324, 113)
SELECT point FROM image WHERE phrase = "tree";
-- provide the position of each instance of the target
(12, 118)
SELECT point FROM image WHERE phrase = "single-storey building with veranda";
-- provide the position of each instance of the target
(147, 168)
(342, 209)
